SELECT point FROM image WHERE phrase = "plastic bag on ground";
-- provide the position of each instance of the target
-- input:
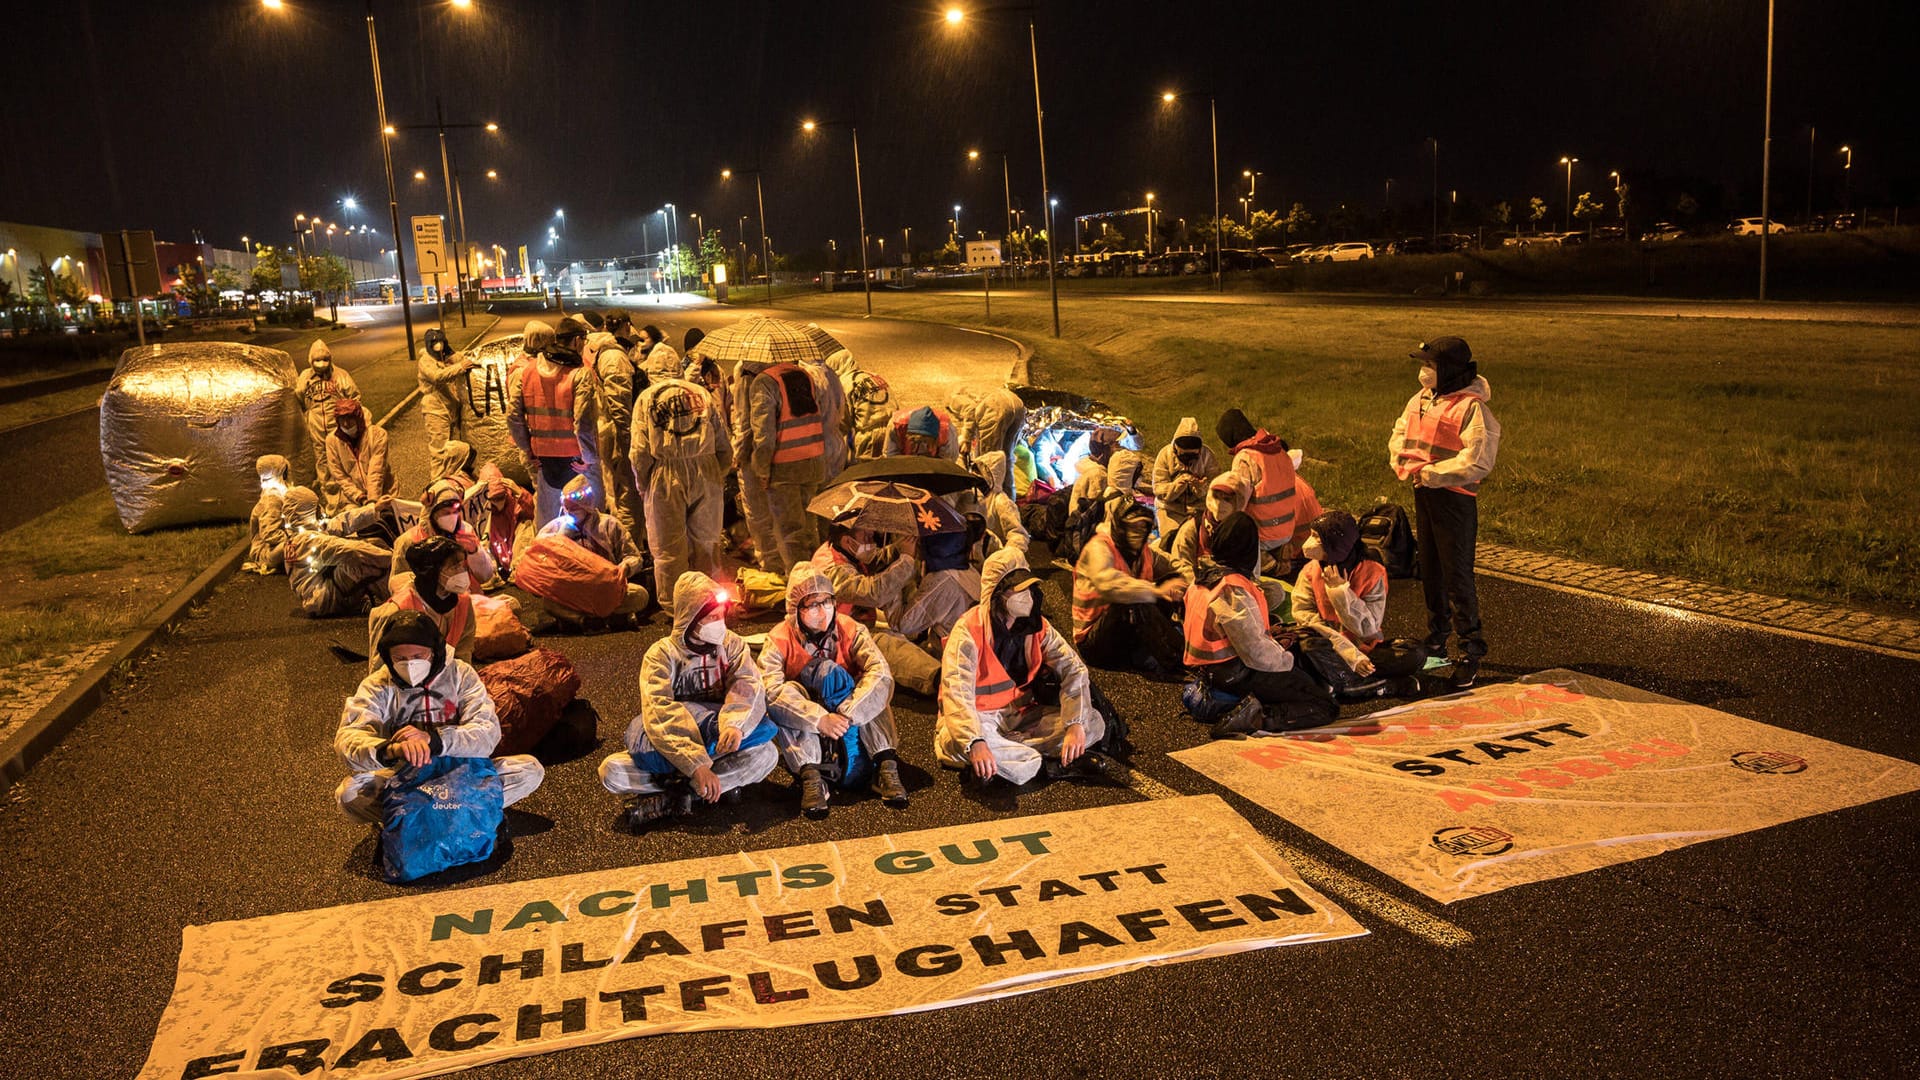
(529, 693)
(557, 569)
(444, 814)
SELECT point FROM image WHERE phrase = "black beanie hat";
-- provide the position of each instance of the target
(1236, 543)
(1234, 428)
(1338, 533)
(406, 627)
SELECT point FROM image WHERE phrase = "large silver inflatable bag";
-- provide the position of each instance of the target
(181, 425)
(484, 401)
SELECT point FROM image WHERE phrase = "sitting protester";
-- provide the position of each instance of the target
(508, 517)
(1262, 458)
(266, 526)
(871, 582)
(923, 432)
(1014, 696)
(949, 587)
(357, 455)
(1341, 596)
(1181, 472)
(703, 728)
(445, 516)
(1090, 482)
(331, 573)
(824, 678)
(1122, 592)
(1230, 649)
(419, 703)
(585, 523)
(436, 585)
(1227, 494)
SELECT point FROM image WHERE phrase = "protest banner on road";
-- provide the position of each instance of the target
(1556, 774)
(434, 983)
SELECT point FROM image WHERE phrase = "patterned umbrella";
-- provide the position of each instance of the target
(763, 340)
(886, 507)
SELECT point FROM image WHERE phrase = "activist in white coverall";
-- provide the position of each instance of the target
(420, 704)
(1012, 741)
(700, 699)
(681, 451)
(815, 634)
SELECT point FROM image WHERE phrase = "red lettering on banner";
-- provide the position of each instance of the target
(1462, 800)
(1624, 760)
(1584, 768)
(1381, 737)
(1506, 789)
(1551, 778)
(1334, 747)
(1268, 757)
(1664, 747)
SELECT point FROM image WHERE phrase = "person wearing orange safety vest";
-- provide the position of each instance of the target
(1015, 698)
(553, 413)
(1229, 647)
(1193, 541)
(1341, 597)
(1123, 592)
(789, 457)
(825, 676)
(1262, 458)
(1444, 445)
(923, 432)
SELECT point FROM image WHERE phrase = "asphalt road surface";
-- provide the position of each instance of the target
(202, 791)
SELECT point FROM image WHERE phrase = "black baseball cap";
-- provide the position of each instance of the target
(1017, 580)
(1445, 350)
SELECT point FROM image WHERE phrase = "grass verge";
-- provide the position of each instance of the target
(1759, 455)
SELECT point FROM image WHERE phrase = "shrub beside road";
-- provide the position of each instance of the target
(1762, 455)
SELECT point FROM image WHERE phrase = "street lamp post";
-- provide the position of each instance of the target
(859, 197)
(1766, 159)
(1150, 222)
(1567, 220)
(766, 255)
(1812, 132)
(1435, 236)
(1213, 123)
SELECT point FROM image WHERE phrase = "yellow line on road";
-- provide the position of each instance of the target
(1330, 879)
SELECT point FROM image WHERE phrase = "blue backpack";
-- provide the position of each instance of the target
(443, 814)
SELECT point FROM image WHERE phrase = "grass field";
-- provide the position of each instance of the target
(1761, 455)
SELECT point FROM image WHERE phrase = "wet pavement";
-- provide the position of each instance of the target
(203, 791)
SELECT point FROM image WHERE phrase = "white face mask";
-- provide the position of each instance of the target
(415, 671)
(713, 631)
(864, 549)
(1020, 604)
(1313, 549)
(448, 522)
(817, 617)
(456, 583)
(1429, 377)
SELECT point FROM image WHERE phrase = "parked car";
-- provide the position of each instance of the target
(1241, 259)
(1412, 245)
(1663, 232)
(1294, 251)
(1352, 251)
(1752, 226)
(1311, 253)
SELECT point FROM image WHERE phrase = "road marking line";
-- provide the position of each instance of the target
(1331, 879)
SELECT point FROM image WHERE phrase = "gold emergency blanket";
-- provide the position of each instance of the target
(1556, 774)
(430, 984)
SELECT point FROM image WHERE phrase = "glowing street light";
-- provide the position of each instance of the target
(860, 201)
(493, 174)
(1213, 119)
(1846, 179)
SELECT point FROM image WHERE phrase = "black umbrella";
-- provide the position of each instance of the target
(938, 475)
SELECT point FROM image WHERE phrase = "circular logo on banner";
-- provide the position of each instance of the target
(1471, 841)
(1769, 761)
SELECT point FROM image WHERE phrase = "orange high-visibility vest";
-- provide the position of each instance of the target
(795, 438)
(1432, 432)
(457, 620)
(899, 435)
(1206, 643)
(1087, 605)
(548, 403)
(793, 646)
(1274, 504)
(993, 688)
(1365, 577)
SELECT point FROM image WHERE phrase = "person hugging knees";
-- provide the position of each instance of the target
(703, 729)
(582, 521)
(1341, 596)
(831, 693)
(418, 704)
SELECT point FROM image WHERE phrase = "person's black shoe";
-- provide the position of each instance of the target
(888, 785)
(1435, 644)
(814, 794)
(732, 797)
(646, 809)
(1408, 686)
(1095, 765)
(1366, 690)
(1465, 671)
(1246, 718)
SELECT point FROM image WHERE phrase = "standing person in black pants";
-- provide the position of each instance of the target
(1444, 444)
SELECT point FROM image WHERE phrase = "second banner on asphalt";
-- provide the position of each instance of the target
(438, 982)
(1556, 774)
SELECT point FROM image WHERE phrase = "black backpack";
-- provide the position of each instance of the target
(1389, 535)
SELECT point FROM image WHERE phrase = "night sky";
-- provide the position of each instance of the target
(227, 118)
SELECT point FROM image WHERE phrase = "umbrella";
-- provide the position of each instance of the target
(937, 475)
(763, 340)
(886, 507)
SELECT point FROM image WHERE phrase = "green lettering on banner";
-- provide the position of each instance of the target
(445, 925)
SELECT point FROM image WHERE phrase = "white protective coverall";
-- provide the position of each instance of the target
(681, 451)
(1180, 486)
(882, 594)
(791, 485)
(869, 407)
(266, 527)
(754, 505)
(453, 708)
(869, 708)
(987, 419)
(1023, 734)
(614, 371)
(331, 574)
(687, 696)
(585, 523)
(442, 389)
(1228, 492)
(317, 391)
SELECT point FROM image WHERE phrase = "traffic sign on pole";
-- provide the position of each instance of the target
(430, 245)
